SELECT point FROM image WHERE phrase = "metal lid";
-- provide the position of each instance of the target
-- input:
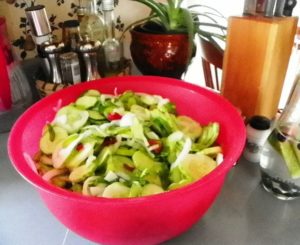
(68, 56)
(71, 24)
(51, 48)
(260, 122)
(88, 46)
(108, 4)
(38, 20)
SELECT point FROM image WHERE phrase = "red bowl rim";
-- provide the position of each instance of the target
(28, 174)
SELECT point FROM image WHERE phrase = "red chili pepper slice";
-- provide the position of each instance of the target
(79, 147)
(109, 141)
(158, 143)
(128, 167)
(114, 116)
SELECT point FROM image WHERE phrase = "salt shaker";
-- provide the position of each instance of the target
(53, 50)
(89, 51)
(258, 130)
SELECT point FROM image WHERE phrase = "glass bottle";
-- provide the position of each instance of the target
(111, 47)
(280, 158)
(92, 24)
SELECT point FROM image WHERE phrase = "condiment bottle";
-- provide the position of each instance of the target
(71, 35)
(111, 46)
(258, 129)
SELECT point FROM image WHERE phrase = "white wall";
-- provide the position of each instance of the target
(235, 7)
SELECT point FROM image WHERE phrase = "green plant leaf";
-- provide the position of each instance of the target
(157, 9)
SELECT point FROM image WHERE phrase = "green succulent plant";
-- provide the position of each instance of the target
(193, 20)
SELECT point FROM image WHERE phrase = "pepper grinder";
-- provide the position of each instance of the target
(89, 52)
(53, 50)
(258, 130)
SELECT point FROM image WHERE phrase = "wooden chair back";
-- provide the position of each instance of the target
(212, 61)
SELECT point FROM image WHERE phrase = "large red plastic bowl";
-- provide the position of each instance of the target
(145, 220)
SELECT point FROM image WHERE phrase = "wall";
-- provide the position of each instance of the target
(127, 10)
(58, 11)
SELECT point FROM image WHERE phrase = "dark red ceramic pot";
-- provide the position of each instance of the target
(159, 54)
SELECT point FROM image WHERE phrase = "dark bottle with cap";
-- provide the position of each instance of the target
(258, 130)
(71, 35)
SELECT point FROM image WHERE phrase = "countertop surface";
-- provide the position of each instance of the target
(244, 213)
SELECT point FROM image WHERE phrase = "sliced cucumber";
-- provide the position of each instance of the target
(151, 189)
(86, 101)
(125, 151)
(71, 118)
(188, 126)
(116, 190)
(212, 151)
(142, 162)
(93, 186)
(288, 153)
(65, 148)
(121, 166)
(51, 138)
(95, 115)
(80, 155)
(140, 112)
(135, 189)
(209, 135)
(180, 184)
(92, 92)
(196, 166)
(82, 172)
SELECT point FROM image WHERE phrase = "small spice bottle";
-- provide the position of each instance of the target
(258, 130)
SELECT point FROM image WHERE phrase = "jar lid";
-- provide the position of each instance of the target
(71, 23)
(260, 122)
(108, 4)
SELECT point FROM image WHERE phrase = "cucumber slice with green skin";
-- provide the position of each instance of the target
(153, 179)
(211, 151)
(140, 112)
(180, 184)
(93, 186)
(116, 190)
(71, 118)
(51, 138)
(79, 155)
(189, 127)
(86, 102)
(135, 189)
(95, 115)
(92, 92)
(142, 162)
(121, 166)
(125, 151)
(196, 166)
(287, 151)
(84, 171)
(65, 147)
(209, 135)
(151, 189)
(296, 149)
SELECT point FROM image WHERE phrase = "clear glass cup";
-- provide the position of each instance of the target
(280, 157)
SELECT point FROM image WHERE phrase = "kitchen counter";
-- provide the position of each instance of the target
(243, 213)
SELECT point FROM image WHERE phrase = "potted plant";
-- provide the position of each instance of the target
(163, 42)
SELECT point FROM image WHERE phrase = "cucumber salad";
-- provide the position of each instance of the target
(126, 145)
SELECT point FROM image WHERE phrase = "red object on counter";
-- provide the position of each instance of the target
(5, 94)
